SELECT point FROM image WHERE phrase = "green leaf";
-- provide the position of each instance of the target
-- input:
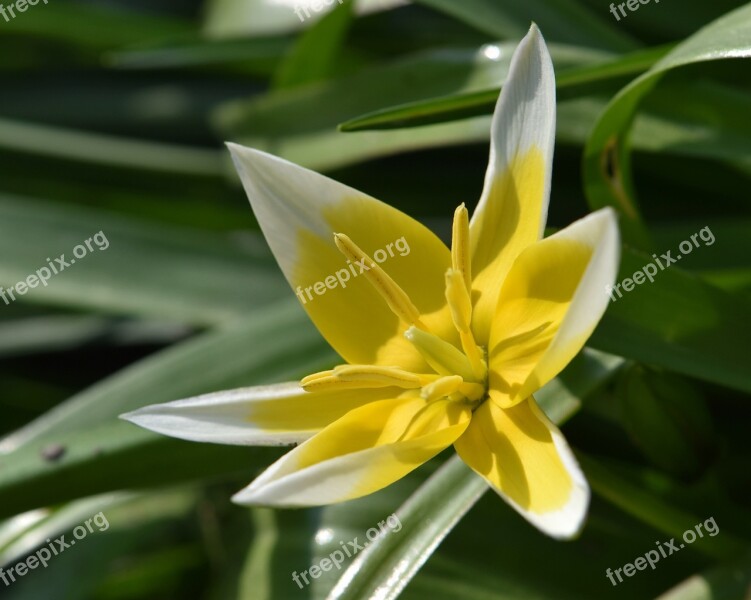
(607, 165)
(111, 457)
(617, 485)
(668, 419)
(100, 149)
(150, 269)
(198, 52)
(21, 535)
(725, 264)
(564, 21)
(680, 323)
(281, 546)
(710, 121)
(96, 26)
(131, 529)
(314, 54)
(570, 83)
(56, 333)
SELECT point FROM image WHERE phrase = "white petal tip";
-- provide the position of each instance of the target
(241, 155)
(220, 417)
(244, 498)
(568, 522)
(534, 37)
(154, 419)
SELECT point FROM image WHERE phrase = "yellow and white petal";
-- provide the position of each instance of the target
(526, 459)
(299, 212)
(551, 302)
(513, 208)
(269, 415)
(364, 451)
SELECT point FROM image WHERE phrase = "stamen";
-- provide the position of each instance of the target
(460, 247)
(441, 356)
(352, 377)
(460, 306)
(393, 375)
(395, 297)
(458, 300)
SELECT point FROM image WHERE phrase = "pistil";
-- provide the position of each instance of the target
(443, 357)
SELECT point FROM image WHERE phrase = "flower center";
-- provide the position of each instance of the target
(460, 375)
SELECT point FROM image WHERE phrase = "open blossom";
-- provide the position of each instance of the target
(442, 346)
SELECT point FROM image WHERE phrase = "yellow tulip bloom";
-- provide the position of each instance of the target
(443, 346)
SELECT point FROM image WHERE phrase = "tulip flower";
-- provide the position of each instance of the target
(441, 346)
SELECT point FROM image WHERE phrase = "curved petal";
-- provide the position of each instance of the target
(299, 211)
(513, 207)
(364, 451)
(526, 459)
(268, 415)
(553, 297)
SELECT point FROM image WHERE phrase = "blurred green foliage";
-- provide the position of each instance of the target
(112, 118)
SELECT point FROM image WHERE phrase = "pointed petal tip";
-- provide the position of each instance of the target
(245, 157)
(134, 416)
(245, 498)
(240, 153)
(145, 417)
(610, 214)
(533, 37)
(154, 419)
(609, 219)
(126, 416)
(235, 149)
